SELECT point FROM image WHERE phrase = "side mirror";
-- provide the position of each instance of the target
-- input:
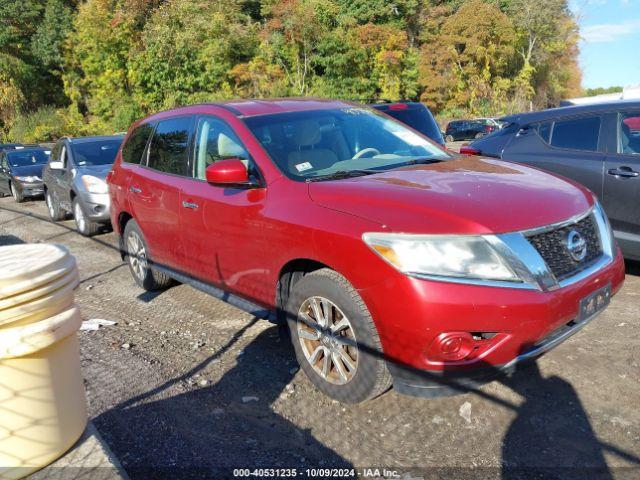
(56, 165)
(231, 171)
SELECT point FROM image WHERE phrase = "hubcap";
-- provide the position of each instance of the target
(327, 340)
(50, 205)
(14, 194)
(78, 214)
(137, 255)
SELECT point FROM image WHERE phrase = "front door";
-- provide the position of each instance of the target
(621, 197)
(221, 225)
(4, 174)
(154, 189)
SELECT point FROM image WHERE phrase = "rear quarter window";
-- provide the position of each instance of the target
(133, 149)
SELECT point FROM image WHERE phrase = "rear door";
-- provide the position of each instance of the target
(154, 189)
(621, 197)
(222, 226)
(570, 146)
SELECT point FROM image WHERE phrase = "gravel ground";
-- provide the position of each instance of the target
(185, 386)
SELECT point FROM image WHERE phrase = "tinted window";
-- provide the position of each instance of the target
(544, 130)
(215, 141)
(101, 152)
(169, 145)
(21, 158)
(576, 134)
(420, 119)
(134, 147)
(629, 133)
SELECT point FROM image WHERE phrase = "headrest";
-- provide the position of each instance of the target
(306, 133)
(229, 148)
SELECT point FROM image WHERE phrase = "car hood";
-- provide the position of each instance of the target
(29, 170)
(99, 171)
(463, 196)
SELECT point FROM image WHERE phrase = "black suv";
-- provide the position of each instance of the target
(21, 172)
(595, 145)
(414, 114)
(467, 130)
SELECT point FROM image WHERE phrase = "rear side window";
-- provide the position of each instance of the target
(576, 134)
(170, 144)
(544, 130)
(629, 133)
(134, 147)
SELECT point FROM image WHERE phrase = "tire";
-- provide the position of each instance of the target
(55, 212)
(367, 376)
(479, 135)
(84, 226)
(17, 195)
(136, 257)
(449, 139)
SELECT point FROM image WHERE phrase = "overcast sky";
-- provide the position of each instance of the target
(610, 46)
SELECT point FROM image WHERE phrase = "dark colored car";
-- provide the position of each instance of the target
(21, 172)
(74, 180)
(10, 146)
(595, 145)
(414, 114)
(390, 258)
(467, 130)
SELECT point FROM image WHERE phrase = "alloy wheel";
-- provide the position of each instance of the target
(137, 255)
(14, 194)
(78, 215)
(49, 202)
(328, 340)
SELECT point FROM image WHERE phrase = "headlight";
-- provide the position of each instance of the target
(29, 179)
(94, 184)
(457, 256)
(605, 230)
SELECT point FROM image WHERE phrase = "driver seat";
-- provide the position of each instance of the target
(307, 134)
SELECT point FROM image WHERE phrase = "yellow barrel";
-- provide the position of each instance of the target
(42, 400)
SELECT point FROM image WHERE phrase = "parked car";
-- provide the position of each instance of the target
(391, 259)
(466, 130)
(595, 145)
(414, 114)
(494, 122)
(10, 146)
(21, 172)
(74, 180)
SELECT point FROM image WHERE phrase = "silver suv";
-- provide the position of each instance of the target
(74, 180)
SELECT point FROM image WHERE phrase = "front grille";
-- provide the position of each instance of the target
(552, 247)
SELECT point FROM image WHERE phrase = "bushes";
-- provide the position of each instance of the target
(44, 125)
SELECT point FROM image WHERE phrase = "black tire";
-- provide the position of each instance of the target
(449, 139)
(53, 207)
(145, 276)
(84, 226)
(17, 195)
(371, 377)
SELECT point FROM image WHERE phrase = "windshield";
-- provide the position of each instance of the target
(317, 143)
(101, 152)
(28, 158)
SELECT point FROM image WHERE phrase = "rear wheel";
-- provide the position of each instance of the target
(17, 195)
(335, 339)
(84, 226)
(55, 212)
(479, 135)
(137, 258)
(448, 139)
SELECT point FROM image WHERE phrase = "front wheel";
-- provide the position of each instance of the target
(55, 212)
(335, 339)
(17, 195)
(479, 135)
(448, 139)
(137, 258)
(84, 226)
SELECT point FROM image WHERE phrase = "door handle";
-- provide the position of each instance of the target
(135, 190)
(623, 172)
(191, 205)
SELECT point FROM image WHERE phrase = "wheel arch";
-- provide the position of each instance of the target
(290, 274)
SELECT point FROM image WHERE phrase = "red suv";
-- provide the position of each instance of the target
(391, 260)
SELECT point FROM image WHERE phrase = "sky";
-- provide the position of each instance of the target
(610, 45)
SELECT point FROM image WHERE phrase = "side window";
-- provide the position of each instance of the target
(170, 145)
(544, 130)
(629, 133)
(3, 161)
(576, 134)
(63, 156)
(133, 149)
(215, 141)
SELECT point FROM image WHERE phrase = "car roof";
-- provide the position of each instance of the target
(541, 115)
(78, 140)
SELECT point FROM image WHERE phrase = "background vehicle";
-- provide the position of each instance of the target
(494, 122)
(414, 114)
(74, 180)
(372, 243)
(467, 129)
(596, 145)
(21, 172)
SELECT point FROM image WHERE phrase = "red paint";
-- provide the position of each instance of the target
(467, 150)
(227, 171)
(241, 238)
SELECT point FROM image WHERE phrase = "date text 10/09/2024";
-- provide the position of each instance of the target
(342, 473)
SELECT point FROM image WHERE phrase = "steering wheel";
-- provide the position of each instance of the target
(364, 151)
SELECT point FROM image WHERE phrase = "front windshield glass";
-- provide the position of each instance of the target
(27, 158)
(101, 152)
(318, 143)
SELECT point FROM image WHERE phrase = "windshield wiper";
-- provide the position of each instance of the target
(342, 174)
(422, 161)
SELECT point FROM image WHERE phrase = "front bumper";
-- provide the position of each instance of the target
(96, 206)
(31, 189)
(527, 324)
